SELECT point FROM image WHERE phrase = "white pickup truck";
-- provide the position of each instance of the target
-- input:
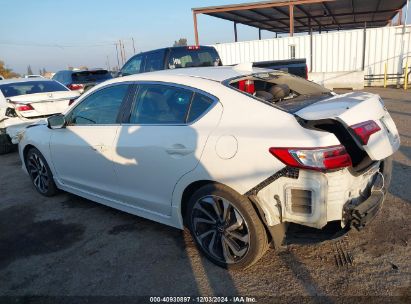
(25, 101)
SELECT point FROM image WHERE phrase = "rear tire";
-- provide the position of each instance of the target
(226, 227)
(40, 173)
(6, 146)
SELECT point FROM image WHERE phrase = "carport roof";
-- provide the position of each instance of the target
(326, 15)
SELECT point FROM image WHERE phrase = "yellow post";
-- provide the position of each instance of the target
(406, 77)
(385, 75)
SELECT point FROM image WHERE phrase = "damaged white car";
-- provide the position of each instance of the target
(232, 153)
(24, 101)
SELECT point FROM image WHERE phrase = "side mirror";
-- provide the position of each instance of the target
(56, 121)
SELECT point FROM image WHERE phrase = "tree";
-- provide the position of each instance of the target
(180, 42)
(6, 72)
(29, 71)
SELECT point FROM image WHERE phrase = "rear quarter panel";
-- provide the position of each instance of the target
(254, 127)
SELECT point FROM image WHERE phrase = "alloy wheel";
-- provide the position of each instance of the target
(38, 172)
(220, 229)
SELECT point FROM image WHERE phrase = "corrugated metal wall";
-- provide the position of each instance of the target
(332, 52)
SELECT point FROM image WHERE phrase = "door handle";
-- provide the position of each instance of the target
(179, 150)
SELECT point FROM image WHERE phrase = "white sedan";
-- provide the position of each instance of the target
(26, 100)
(232, 153)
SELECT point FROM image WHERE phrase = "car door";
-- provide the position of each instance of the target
(82, 151)
(163, 140)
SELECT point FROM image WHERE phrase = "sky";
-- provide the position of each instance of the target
(55, 34)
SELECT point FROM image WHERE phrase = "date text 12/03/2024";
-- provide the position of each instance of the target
(236, 299)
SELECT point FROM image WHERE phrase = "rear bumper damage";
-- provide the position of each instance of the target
(314, 199)
(358, 215)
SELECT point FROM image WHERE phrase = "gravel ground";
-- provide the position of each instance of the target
(70, 246)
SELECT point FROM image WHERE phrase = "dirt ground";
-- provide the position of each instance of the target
(69, 246)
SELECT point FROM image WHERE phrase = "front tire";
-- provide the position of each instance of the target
(40, 173)
(225, 227)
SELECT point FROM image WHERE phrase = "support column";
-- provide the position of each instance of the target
(364, 46)
(291, 7)
(195, 28)
(259, 34)
(235, 32)
(311, 45)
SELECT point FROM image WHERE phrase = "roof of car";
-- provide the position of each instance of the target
(18, 80)
(220, 73)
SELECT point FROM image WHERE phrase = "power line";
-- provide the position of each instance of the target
(62, 46)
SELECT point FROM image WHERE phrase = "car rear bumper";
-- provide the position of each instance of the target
(315, 199)
(358, 215)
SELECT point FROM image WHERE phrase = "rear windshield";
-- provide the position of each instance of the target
(90, 76)
(31, 87)
(285, 91)
(187, 57)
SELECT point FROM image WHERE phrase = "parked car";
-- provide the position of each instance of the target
(26, 100)
(82, 81)
(198, 56)
(232, 153)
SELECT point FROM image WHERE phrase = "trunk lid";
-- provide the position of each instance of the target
(43, 104)
(354, 108)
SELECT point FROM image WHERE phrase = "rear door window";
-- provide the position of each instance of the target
(161, 104)
(199, 105)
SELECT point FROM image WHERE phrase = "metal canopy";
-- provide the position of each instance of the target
(297, 16)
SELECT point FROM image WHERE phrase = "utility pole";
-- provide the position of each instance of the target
(124, 53)
(134, 48)
(121, 52)
(118, 60)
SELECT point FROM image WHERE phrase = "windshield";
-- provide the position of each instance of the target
(91, 76)
(31, 87)
(186, 57)
(283, 90)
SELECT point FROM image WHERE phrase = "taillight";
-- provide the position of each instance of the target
(365, 129)
(74, 87)
(23, 107)
(246, 86)
(71, 101)
(193, 47)
(328, 158)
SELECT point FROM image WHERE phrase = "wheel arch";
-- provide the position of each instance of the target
(188, 193)
(25, 151)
